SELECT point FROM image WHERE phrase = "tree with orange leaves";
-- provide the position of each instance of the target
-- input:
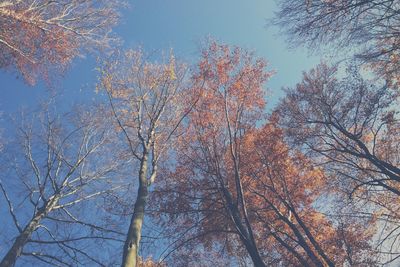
(210, 152)
(285, 189)
(41, 37)
(282, 190)
(237, 192)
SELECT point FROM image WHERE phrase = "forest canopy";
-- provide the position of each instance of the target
(162, 159)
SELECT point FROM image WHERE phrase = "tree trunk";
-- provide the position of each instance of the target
(254, 254)
(15, 251)
(131, 246)
(245, 236)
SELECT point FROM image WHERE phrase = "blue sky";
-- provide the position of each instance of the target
(181, 25)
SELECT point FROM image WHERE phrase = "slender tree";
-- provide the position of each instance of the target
(148, 101)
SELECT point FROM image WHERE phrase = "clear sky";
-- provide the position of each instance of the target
(181, 25)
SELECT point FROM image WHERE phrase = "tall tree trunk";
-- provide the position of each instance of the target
(131, 246)
(15, 251)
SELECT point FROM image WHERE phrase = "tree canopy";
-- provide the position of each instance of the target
(174, 161)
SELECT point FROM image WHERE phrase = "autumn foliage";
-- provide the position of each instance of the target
(41, 38)
(186, 165)
(239, 188)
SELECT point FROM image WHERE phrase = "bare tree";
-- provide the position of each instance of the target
(55, 169)
(371, 27)
(41, 37)
(148, 101)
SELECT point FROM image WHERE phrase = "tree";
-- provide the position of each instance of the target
(283, 191)
(53, 172)
(149, 102)
(351, 127)
(230, 81)
(351, 122)
(289, 198)
(41, 37)
(371, 25)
